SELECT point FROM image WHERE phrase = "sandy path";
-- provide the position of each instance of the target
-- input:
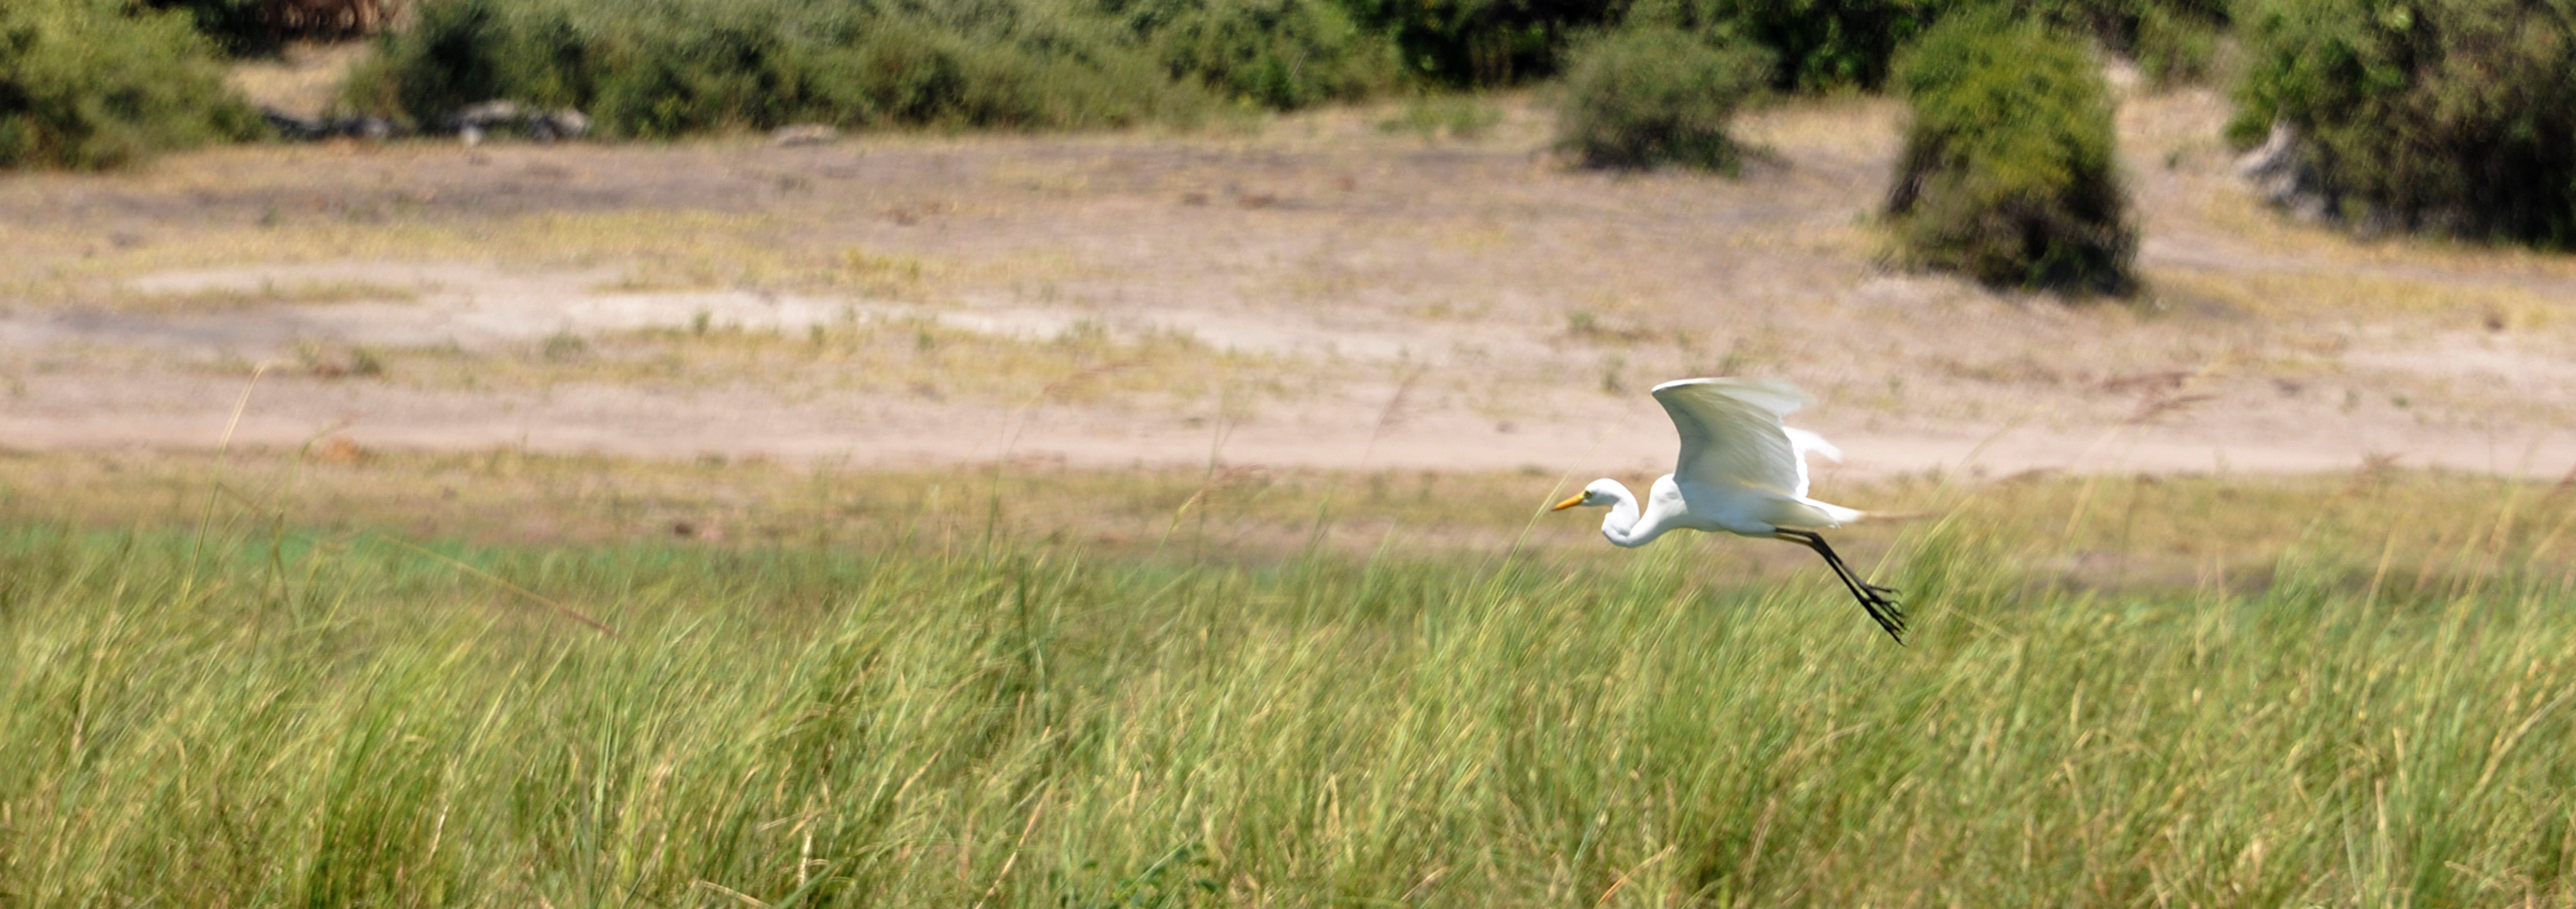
(1405, 304)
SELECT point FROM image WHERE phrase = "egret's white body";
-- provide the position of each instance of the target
(1742, 472)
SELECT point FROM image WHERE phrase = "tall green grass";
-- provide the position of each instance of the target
(265, 717)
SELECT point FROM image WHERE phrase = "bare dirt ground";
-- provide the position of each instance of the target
(1311, 291)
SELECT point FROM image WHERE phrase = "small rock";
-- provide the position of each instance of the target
(2283, 177)
(487, 114)
(291, 127)
(375, 129)
(563, 124)
(473, 122)
(803, 134)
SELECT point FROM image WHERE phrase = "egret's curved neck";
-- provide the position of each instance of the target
(1626, 525)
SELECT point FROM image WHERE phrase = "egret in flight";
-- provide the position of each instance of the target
(1743, 473)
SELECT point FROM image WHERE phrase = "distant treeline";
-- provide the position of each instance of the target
(2453, 115)
(658, 67)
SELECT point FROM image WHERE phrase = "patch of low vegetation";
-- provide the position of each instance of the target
(369, 717)
(1454, 116)
(2010, 173)
(324, 360)
(267, 293)
(915, 357)
(94, 83)
(2455, 117)
(1645, 97)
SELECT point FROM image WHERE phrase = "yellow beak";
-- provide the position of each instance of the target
(1569, 503)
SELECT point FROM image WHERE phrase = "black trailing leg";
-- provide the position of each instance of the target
(1873, 598)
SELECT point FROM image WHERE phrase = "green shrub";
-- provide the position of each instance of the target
(1282, 54)
(2009, 172)
(1648, 96)
(1827, 44)
(1815, 44)
(2171, 40)
(85, 84)
(2453, 116)
(2176, 44)
(1483, 42)
(239, 27)
(666, 67)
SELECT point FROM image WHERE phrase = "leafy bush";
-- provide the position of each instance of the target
(1648, 96)
(2176, 44)
(1816, 44)
(1483, 42)
(2009, 172)
(238, 27)
(1826, 44)
(1283, 54)
(2172, 40)
(2456, 116)
(84, 84)
(665, 67)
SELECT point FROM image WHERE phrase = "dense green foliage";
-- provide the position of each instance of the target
(1815, 45)
(1853, 43)
(2456, 116)
(1283, 54)
(2170, 39)
(238, 27)
(671, 66)
(277, 720)
(663, 67)
(83, 83)
(1643, 97)
(2009, 172)
(1484, 42)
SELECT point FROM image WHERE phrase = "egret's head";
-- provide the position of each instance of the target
(1603, 492)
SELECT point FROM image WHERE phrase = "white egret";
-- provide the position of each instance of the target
(1742, 472)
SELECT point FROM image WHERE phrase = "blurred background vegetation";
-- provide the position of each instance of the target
(93, 83)
(2008, 173)
(2456, 117)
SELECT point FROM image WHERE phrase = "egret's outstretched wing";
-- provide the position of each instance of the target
(1803, 442)
(1731, 433)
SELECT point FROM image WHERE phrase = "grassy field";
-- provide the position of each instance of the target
(259, 682)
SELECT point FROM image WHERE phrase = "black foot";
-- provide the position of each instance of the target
(1879, 602)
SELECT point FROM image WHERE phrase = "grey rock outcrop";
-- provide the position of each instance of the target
(315, 129)
(2283, 176)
